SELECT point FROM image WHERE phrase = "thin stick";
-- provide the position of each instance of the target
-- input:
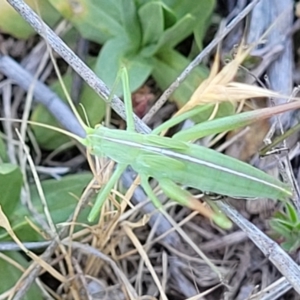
(42, 94)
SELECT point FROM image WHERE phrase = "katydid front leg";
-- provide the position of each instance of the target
(105, 191)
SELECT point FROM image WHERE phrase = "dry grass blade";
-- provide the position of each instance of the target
(234, 92)
(91, 251)
(5, 224)
(127, 227)
(219, 86)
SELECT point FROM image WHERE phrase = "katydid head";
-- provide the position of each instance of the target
(93, 140)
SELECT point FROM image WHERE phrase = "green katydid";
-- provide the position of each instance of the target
(172, 160)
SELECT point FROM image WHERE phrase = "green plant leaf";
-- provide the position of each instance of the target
(9, 276)
(297, 226)
(203, 16)
(279, 215)
(197, 8)
(118, 26)
(12, 23)
(280, 228)
(46, 138)
(291, 213)
(295, 246)
(116, 53)
(3, 152)
(201, 10)
(287, 226)
(131, 23)
(177, 33)
(290, 246)
(169, 17)
(61, 196)
(287, 245)
(21, 228)
(287, 223)
(97, 21)
(101, 20)
(11, 181)
(151, 30)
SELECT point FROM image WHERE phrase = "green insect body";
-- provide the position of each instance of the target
(172, 161)
(185, 163)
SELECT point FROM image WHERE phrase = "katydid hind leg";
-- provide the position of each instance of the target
(183, 197)
(105, 190)
(149, 192)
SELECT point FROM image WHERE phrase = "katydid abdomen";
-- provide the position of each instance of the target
(185, 163)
